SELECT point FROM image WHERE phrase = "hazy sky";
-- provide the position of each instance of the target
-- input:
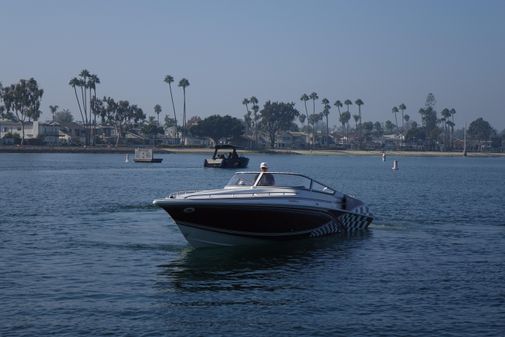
(384, 52)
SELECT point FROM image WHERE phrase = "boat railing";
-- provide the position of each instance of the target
(252, 194)
(175, 195)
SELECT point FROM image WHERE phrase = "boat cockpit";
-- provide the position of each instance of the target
(278, 180)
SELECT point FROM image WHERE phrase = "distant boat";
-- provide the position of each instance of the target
(145, 156)
(229, 160)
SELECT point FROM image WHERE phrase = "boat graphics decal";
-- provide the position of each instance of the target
(359, 219)
(331, 227)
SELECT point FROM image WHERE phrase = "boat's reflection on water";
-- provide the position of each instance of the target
(245, 267)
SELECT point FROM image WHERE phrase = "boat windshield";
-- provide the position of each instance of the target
(278, 179)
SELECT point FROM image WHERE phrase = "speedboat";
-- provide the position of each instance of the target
(226, 160)
(249, 211)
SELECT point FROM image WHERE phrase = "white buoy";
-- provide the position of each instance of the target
(126, 159)
(395, 165)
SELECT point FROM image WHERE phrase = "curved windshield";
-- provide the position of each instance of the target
(243, 179)
(277, 179)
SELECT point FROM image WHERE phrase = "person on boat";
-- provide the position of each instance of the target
(267, 179)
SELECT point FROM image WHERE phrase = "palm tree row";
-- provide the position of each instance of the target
(183, 83)
(86, 83)
(344, 117)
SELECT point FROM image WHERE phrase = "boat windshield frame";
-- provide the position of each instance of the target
(281, 180)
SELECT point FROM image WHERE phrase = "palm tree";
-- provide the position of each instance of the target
(446, 114)
(339, 104)
(85, 74)
(313, 119)
(356, 119)
(169, 79)
(326, 112)
(395, 111)
(247, 117)
(92, 82)
(254, 101)
(245, 102)
(402, 107)
(157, 111)
(304, 99)
(406, 118)
(359, 103)
(453, 112)
(344, 119)
(183, 83)
(53, 109)
(74, 83)
(348, 102)
(302, 118)
(313, 96)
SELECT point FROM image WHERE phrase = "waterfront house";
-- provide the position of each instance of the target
(35, 132)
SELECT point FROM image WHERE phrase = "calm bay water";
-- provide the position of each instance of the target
(83, 252)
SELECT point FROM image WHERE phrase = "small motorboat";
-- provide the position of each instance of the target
(249, 211)
(145, 156)
(226, 156)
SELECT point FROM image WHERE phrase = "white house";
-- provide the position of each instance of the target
(45, 132)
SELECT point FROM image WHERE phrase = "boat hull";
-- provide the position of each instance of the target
(234, 163)
(238, 224)
(153, 160)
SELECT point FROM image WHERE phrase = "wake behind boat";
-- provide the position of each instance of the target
(264, 207)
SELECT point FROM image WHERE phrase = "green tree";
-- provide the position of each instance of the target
(378, 130)
(63, 117)
(429, 123)
(277, 117)
(218, 127)
(22, 102)
(169, 79)
(122, 115)
(169, 122)
(389, 126)
(480, 130)
(151, 129)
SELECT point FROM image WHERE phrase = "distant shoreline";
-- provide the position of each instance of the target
(202, 150)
